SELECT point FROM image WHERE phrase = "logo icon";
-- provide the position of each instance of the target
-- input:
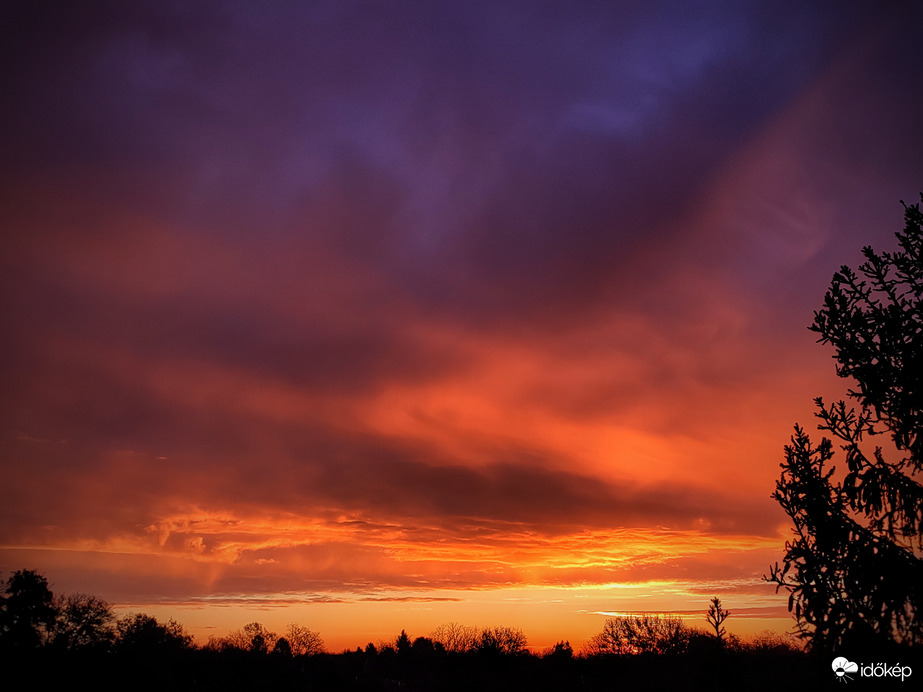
(843, 667)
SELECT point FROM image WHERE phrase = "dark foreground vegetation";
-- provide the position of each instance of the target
(66, 642)
(203, 669)
(853, 568)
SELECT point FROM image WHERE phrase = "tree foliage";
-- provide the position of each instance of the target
(403, 643)
(853, 570)
(502, 641)
(27, 610)
(142, 633)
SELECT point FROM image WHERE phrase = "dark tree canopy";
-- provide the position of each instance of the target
(27, 610)
(854, 571)
(139, 632)
(501, 641)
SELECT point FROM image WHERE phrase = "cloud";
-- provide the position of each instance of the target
(337, 298)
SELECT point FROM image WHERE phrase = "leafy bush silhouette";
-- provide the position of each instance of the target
(853, 570)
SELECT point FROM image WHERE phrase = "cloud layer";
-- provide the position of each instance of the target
(307, 299)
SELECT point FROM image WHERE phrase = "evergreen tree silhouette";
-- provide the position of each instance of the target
(853, 570)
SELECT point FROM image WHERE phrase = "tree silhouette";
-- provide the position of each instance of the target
(251, 637)
(403, 643)
(303, 641)
(424, 646)
(853, 571)
(641, 634)
(715, 616)
(258, 637)
(83, 621)
(562, 649)
(282, 648)
(27, 610)
(501, 641)
(147, 654)
(455, 638)
(142, 633)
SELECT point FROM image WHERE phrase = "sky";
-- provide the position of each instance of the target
(380, 315)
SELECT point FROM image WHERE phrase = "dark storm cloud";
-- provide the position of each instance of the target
(308, 470)
(236, 100)
(521, 492)
(492, 166)
(530, 152)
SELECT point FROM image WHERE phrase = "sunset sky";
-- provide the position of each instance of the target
(376, 316)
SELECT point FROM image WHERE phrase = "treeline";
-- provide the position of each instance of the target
(32, 617)
(57, 640)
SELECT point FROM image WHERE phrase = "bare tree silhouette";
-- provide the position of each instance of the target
(455, 638)
(641, 634)
(715, 616)
(83, 621)
(303, 641)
